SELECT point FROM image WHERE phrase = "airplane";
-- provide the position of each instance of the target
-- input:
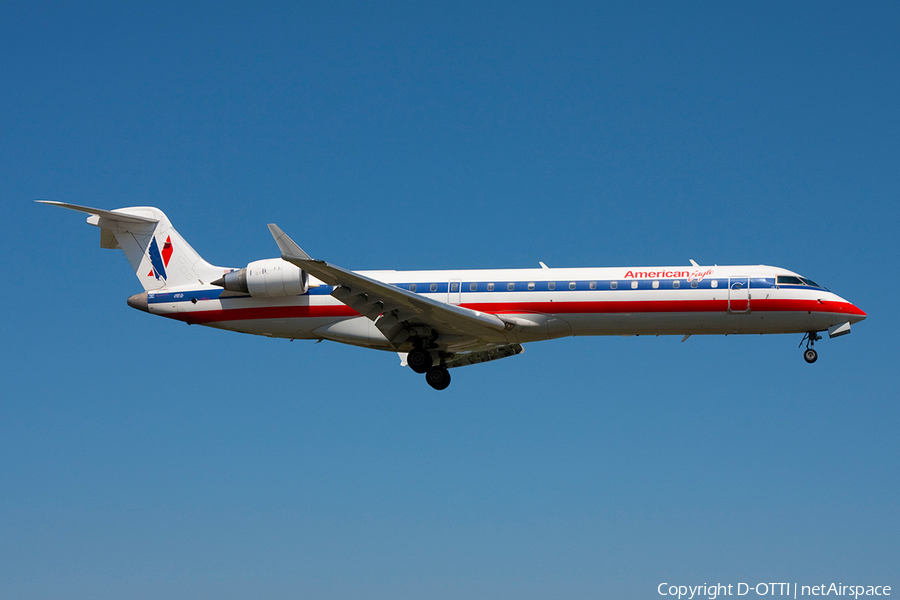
(439, 320)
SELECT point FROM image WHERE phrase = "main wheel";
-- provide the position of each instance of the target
(810, 356)
(438, 378)
(419, 361)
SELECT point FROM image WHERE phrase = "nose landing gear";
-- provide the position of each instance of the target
(810, 355)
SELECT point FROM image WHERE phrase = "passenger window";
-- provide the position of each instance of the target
(571, 285)
(412, 287)
(473, 286)
(634, 285)
(655, 285)
(510, 286)
(433, 287)
(593, 285)
(551, 286)
(531, 285)
(714, 283)
(695, 283)
(490, 287)
(613, 285)
(676, 284)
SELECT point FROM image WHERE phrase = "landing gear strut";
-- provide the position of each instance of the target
(810, 354)
(438, 378)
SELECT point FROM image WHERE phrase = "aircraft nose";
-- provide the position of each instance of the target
(856, 314)
(139, 301)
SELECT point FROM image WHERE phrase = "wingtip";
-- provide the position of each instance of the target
(289, 248)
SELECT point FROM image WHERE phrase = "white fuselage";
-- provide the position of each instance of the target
(544, 303)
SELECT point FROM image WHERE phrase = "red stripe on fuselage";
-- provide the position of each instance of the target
(266, 312)
(560, 308)
(665, 306)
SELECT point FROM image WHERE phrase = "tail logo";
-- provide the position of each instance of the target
(159, 262)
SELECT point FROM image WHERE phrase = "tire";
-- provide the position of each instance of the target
(438, 378)
(419, 361)
(810, 356)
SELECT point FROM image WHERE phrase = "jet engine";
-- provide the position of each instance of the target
(268, 278)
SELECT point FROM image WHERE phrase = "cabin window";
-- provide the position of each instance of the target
(593, 285)
(490, 287)
(695, 283)
(551, 285)
(613, 285)
(634, 285)
(473, 286)
(510, 286)
(433, 287)
(454, 287)
(676, 284)
(655, 285)
(530, 285)
(571, 285)
(715, 283)
(412, 287)
(789, 280)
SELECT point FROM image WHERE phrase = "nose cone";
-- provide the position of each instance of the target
(139, 301)
(856, 314)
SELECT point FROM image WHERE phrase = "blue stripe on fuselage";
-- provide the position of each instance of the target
(518, 287)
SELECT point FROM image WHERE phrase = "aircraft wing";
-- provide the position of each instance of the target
(397, 313)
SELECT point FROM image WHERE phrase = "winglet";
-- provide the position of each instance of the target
(289, 248)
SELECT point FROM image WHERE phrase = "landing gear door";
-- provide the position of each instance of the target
(738, 295)
(453, 291)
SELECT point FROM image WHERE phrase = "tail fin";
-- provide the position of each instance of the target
(159, 256)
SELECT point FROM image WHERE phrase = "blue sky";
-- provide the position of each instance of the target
(142, 458)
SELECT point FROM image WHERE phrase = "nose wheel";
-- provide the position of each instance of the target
(810, 355)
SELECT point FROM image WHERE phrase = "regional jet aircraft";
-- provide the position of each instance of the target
(438, 320)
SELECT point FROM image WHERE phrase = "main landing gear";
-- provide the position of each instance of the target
(810, 355)
(419, 360)
(438, 377)
(422, 362)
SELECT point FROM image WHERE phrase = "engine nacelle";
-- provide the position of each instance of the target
(269, 278)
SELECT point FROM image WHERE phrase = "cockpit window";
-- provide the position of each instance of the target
(810, 282)
(789, 280)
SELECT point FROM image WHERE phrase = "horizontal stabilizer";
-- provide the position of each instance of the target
(112, 215)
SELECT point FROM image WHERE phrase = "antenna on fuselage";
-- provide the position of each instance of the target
(693, 262)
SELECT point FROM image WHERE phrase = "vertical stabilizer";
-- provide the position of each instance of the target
(159, 256)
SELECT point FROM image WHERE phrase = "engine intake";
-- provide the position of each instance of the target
(269, 278)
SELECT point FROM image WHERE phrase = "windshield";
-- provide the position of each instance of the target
(810, 282)
(794, 280)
